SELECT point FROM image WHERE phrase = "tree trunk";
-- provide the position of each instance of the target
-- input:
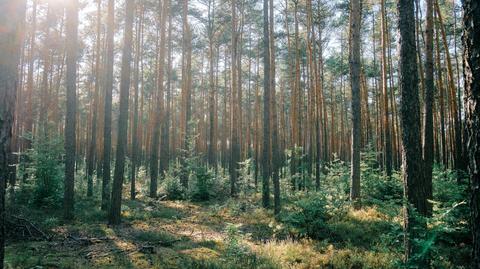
(107, 131)
(135, 137)
(115, 208)
(428, 106)
(386, 120)
(355, 24)
(471, 69)
(70, 118)
(410, 124)
(275, 157)
(93, 131)
(10, 21)
(266, 109)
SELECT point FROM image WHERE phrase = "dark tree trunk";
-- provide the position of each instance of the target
(266, 109)
(115, 207)
(93, 131)
(275, 158)
(428, 109)
(471, 66)
(12, 12)
(355, 23)
(386, 120)
(107, 131)
(135, 145)
(235, 104)
(410, 126)
(212, 146)
(160, 104)
(70, 118)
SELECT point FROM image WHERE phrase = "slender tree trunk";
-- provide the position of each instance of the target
(186, 85)
(159, 113)
(274, 118)
(93, 132)
(235, 104)
(452, 95)
(386, 120)
(441, 101)
(471, 69)
(70, 118)
(212, 146)
(355, 24)
(107, 131)
(30, 82)
(115, 208)
(428, 106)
(135, 137)
(266, 109)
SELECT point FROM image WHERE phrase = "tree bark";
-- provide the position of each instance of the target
(428, 106)
(471, 69)
(115, 208)
(266, 109)
(93, 131)
(13, 12)
(107, 131)
(355, 24)
(70, 118)
(410, 124)
(386, 120)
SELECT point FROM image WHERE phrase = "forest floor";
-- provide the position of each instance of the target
(182, 234)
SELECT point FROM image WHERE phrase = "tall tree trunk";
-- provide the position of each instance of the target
(410, 124)
(212, 146)
(186, 86)
(266, 109)
(107, 131)
(30, 82)
(70, 118)
(10, 22)
(235, 104)
(441, 101)
(428, 106)
(115, 207)
(386, 121)
(355, 24)
(471, 69)
(274, 117)
(93, 131)
(159, 113)
(458, 160)
(135, 137)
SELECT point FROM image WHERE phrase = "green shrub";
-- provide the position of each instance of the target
(171, 184)
(307, 217)
(46, 171)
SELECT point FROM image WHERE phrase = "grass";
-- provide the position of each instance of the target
(224, 234)
(187, 235)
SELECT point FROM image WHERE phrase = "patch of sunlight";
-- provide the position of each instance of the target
(305, 254)
(289, 253)
(201, 253)
(367, 214)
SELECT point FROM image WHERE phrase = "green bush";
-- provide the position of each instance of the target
(171, 184)
(46, 172)
(307, 217)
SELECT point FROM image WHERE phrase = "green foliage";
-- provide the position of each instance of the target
(377, 187)
(171, 183)
(45, 185)
(307, 217)
(239, 255)
(245, 181)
